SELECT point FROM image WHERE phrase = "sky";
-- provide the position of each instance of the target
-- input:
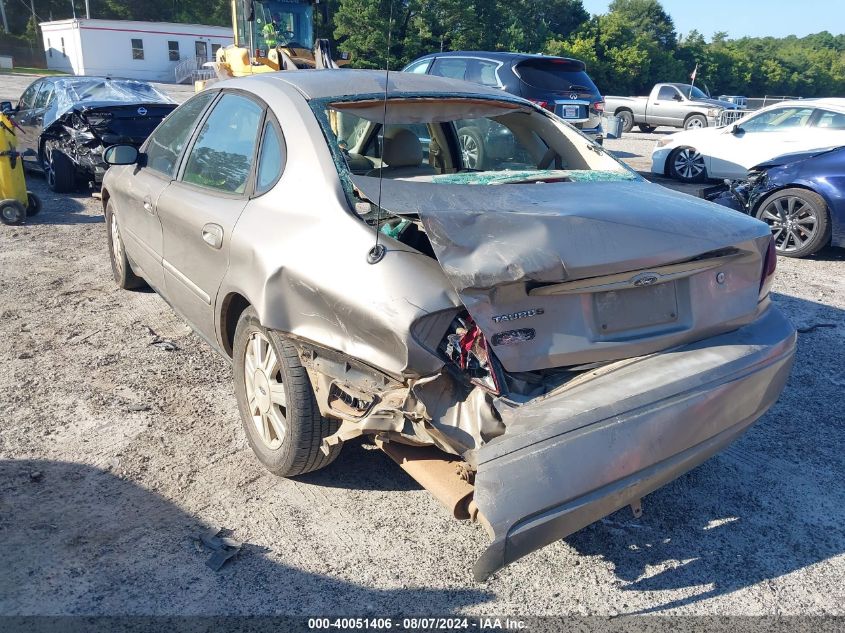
(756, 18)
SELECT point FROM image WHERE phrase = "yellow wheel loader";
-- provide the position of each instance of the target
(272, 35)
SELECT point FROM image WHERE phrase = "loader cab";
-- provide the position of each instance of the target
(262, 25)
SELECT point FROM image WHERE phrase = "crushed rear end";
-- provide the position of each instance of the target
(583, 376)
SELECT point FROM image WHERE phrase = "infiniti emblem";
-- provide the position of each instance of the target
(261, 389)
(573, 96)
(645, 279)
(142, 111)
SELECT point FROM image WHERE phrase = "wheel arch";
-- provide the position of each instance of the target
(791, 185)
(231, 308)
(623, 109)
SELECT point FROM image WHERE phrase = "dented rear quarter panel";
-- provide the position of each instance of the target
(299, 256)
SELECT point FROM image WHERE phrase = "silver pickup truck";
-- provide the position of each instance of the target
(675, 105)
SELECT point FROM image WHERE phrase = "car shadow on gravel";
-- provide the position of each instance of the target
(78, 539)
(362, 466)
(60, 208)
(771, 504)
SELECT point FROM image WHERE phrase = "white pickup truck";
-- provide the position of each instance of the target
(675, 105)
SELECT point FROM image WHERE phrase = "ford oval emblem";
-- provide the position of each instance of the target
(645, 279)
(573, 95)
(142, 111)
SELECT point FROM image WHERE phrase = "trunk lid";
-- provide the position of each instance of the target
(560, 274)
(130, 124)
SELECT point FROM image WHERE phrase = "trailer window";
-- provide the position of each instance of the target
(173, 51)
(137, 49)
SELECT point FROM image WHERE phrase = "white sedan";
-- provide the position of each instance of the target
(729, 152)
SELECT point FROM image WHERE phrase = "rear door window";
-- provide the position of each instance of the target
(223, 153)
(45, 96)
(830, 120)
(452, 67)
(166, 142)
(555, 75)
(482, 71)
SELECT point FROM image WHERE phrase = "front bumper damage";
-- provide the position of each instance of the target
(572, 457)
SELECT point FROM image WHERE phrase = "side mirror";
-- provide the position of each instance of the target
(6, 107)
(121, 155)
(736, 130)
(678, 97)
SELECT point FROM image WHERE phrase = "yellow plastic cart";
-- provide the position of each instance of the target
(16, 203)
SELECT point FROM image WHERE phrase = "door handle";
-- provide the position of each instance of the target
(212, 234)
(148, 204)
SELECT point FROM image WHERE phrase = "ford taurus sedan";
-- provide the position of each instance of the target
(538, 343)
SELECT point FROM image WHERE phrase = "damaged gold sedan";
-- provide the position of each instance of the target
(536, 334)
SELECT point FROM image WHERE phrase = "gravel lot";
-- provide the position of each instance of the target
(117, 456)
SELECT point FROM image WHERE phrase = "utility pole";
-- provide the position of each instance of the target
(87, 11)
(3, 14)
(34, 19)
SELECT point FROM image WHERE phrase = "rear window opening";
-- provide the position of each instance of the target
(556, 75)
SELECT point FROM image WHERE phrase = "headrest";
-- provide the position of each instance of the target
(402, 148)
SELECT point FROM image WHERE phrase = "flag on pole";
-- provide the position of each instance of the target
(694, 73)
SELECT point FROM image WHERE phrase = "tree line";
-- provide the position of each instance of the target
(628, 49)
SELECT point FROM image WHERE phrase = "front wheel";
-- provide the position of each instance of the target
(627, 119)
(276, 401)
(687, 165)
(799, 221)
(646, 128)
(695, 122)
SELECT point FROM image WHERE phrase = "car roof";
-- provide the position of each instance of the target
(834, 103)
(322, 84)
(501, 56)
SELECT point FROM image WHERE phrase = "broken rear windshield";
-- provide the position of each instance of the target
(442, 140)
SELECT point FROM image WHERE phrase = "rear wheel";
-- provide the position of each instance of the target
(124, 276)
(61, 172)
(687, 165)
(695, 122)
(646, 128)
(799, 221)
(627, 120)
(276, 401)
(472, 148)
(12, 211)
(33, 203)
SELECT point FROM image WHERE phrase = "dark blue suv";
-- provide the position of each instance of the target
(558, 84)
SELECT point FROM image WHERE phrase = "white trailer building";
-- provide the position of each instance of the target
(155, 51)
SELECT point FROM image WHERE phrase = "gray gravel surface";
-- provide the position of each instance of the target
(116, 454)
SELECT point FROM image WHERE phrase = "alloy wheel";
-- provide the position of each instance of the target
(265, 391)
(469, 151)
(695, 124)
(688, 163)
(793, 222)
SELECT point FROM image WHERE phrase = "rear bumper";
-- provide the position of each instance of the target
(571, 458)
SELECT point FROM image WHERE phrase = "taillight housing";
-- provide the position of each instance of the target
(544, 104)
(598, 106)
(770, 262)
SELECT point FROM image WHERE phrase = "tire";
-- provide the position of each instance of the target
(12, 211)
(627, 120)
(695, 122)
(799, 220)
(61, 172)
(278, 409)
(471, 143)
(33, 204)
(121, 269)
(648, 129)
(687, 165)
